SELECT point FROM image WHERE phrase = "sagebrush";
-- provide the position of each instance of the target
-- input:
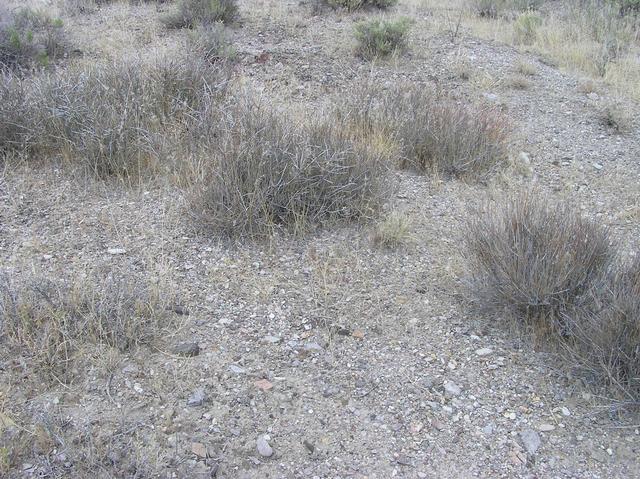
(380, 38)
(191, 13)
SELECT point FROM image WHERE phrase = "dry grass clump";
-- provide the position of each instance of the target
(268, 171)
(436, 134)
(392, 231)
(380, 38)
(191, 13)
(50, 325)
(496, 8)
(616, 115)
(29, 38)
(212, 43)
(112, 119)
(558, 274)
(526, 68)
(352, 5)
(536, 260)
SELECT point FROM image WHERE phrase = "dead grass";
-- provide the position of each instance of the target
(559, 276)
(536, 260)
(271, 172)
(616, 115)
(191, 13)
(50, 325)
(435, 134)
(393, 231)
(110, 119)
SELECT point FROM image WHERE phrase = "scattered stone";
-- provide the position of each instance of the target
(488, 430)
(198, 398)
(312, 347)
(309, 445)
(199, 449)
(116, 251)
(452, 389)
(484, 351)
(598, 455)
(263, 384)
(530, 440)
(597, 166)
(237, 369)
(187, 350)
(330, 391)
(272, 339)
(358, 334)
(565, 411)
(546, 427)
(263, 447)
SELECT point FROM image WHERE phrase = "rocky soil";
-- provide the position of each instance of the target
(323, 356)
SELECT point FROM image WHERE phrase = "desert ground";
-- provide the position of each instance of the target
(320, 354)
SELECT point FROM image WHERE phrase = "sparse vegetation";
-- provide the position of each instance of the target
(496, 8)
(392, 231)
(273, 173)
(526, 68)
(525, 28)
(558, 274)
(436, 134)
(616, 115)
(50, 325)
(352, 5)
(29, 38)
(112, 131)
(191, 13)
(380, 38)
(211, 42)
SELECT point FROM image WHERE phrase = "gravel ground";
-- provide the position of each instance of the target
(324, 356)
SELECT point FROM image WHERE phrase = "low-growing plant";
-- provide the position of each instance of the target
(49, 323)
(525, 28)
(526, 68)
(270, 172)
(212, 43)
(191, 13)
(616, 115)
(29, 38)
(352, 5)
(393, 231)
(496, 8)
(434, 133)
(536, 260)
(559, 275)
(111, 118)
(380, 38)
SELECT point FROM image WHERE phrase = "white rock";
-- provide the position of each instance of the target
(263, 447)
(546, 427)
(565, 411)
(484, 351)
(115, 251)
(452, 389)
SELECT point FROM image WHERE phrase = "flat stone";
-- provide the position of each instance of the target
(546, 427)
(198, 398)
(452, 389)
(263, 447)
(530, 440)
(116, 251)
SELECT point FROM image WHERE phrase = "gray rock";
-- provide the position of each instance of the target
(237, 369)
(272, 339)
(530, 440)
(452, 389)
(312, 347)
(187, 350)
(198, 398)
(263, 447)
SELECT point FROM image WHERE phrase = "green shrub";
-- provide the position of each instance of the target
(191, 13)
(270, 172)
(379, 38)
(29, 38)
